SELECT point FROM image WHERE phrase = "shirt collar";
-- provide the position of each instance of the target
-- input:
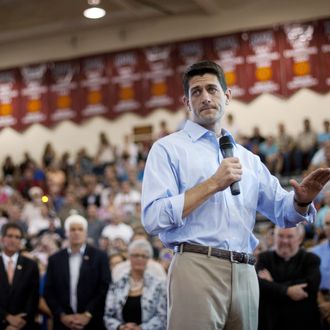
(196, 131)
(13, 258)
(81, 251)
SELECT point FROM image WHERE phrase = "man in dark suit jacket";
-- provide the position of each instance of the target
(77, 281)
(289, 278)
(19, 283)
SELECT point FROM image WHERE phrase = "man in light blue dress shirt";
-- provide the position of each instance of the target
(187, 201)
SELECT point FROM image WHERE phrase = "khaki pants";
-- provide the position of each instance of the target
(208, 293)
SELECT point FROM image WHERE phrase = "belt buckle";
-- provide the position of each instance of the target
(246, 258)
(232, 260)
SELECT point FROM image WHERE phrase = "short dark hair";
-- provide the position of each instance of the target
(11, 225)
(200, 68)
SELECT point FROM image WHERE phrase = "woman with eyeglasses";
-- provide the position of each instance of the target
(138, 299)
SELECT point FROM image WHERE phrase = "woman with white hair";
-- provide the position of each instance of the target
(137, 300)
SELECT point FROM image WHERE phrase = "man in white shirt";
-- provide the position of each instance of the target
(117, 229)
(127, 198)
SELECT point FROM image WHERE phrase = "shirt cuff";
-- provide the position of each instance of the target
(309, 216)
(294, 217)
(174, 209)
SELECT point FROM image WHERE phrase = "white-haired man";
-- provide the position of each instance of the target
(77, 280)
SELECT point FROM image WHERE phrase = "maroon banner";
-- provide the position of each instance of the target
(227, 51)
(126, 82)
(275, 60)
(63, 91)
(300, 58)
(94, 87)
(262, 63)
(9, 99)
(158, 78)
(34, 95)
(185, 54)
(324, 46)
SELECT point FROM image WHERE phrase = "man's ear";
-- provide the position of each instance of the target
(185, 101)
(228, 95)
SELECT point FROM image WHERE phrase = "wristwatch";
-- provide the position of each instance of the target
(302, 204)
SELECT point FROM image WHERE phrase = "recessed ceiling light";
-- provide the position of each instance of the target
(94, 12)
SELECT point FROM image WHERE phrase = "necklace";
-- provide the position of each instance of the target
(135, 285)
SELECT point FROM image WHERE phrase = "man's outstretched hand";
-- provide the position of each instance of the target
(311, 185)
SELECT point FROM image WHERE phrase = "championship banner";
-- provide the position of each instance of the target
(187, 53)
(34, 95)
(274, 60)
(9, 99)
(63, 91)
(324, 47)
(263, 63)
(94, 87)
(126, 84)
(227, 51)
(300, 58)
(159, 78)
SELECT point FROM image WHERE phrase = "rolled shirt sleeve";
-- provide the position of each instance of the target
(162, 202)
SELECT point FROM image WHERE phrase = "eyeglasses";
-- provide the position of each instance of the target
(142, 256)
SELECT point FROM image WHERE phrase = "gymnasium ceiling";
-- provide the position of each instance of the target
(39, 30)
(25, 19)
(20, 19)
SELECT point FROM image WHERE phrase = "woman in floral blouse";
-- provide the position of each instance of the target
(137, 301)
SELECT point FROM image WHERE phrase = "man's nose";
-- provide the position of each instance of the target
(205, 97)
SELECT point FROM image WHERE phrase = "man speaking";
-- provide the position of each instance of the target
(187, 200)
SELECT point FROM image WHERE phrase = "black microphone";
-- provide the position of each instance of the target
(226, 148)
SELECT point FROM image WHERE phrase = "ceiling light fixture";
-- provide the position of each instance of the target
(94, 12)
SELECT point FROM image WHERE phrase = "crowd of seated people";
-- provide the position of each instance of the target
(105, 188)
(287, 155)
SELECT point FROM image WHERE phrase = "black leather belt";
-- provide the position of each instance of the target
(232, 256)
